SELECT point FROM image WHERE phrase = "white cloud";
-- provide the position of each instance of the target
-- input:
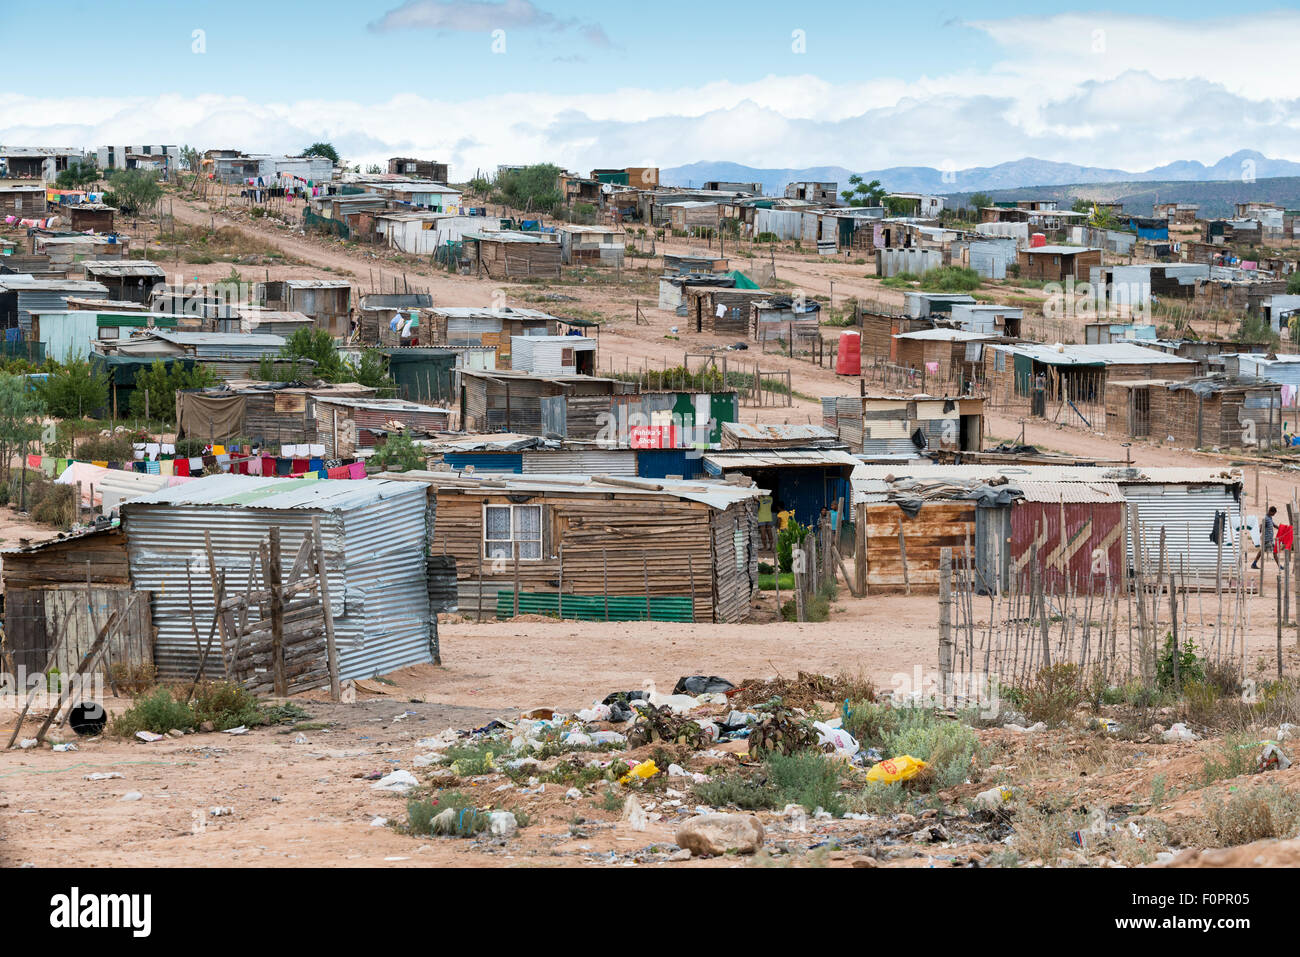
(1158, 90)
(482, 16)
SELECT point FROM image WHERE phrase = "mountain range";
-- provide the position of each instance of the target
(1010, 175)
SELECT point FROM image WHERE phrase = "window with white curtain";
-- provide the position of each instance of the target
(504, 526)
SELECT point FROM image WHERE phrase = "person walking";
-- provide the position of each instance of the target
(1267, 536)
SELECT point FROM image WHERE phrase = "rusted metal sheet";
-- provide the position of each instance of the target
(1090, 551)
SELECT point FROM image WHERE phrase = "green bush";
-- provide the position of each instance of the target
(400, 454)
(226, 705)
(1191, 667)
(158, 712)
(1053, 693)
(786, 540)
(950, 279)
(74, 389)
(807, 778)
(154, 395)
(735, 790)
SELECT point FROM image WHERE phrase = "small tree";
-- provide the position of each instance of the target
(979, 200)
(76, 176)
(135, 190)
(399, 454)
(20, 417)
(533, 187)
(323, 149)
(371, 371)
(318, 346)
(155, 390)
(74, 389)
(862, 193)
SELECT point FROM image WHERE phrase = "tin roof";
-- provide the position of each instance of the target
(1106, 353)
(248, 491)
(719, 495)
(1070, 492)
(785, 432)
(777, 458)
(874, 481)
(123, 267)
(380, 405)
(946, 335)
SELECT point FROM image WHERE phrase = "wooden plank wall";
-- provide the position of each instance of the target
(938, 525)
(595, 531)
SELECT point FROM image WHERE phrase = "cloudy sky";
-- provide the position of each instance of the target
(585, 84)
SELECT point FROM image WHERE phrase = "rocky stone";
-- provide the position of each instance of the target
(709, 835)
(207, 727)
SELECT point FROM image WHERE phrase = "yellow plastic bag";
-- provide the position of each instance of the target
(896, 769)
(646, 769)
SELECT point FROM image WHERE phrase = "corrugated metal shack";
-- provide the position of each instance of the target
(377, 309)
(376, 538)
(327, 301)
(62, 592)
(507, 254)
(131, 280)
(1001, 513)
(752, 435)
(263, 413)
(560, 406)
(229, 355)
(553, 355)
(1216, 411)
(347, 425)
(428, 373)
(604, 544)
(21, 295)
(888, 424)
(270, 322)
(803, 481)
(703, 304)
(457, 326)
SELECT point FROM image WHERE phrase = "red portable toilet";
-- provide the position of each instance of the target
(1037, 239)
(848, 357)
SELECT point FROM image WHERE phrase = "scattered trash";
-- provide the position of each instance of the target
(132, 796)
(87, 718)
(1272, 758)
(901, 768)
(1178, 732)
(502, 824)
(634, 815)
(378, 821)
(646, 769)
(992, 798)
(103, 775)
(148, 736)
(239, 730)
(221, 811)
(699, 684)
(399, 782)
(69, 746)
(301, 739)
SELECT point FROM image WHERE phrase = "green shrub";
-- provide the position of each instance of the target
(226, 705)
(787, 538)
(1052, 695)
(158, 712)
(946, 745)
(1250, 814)
(74, 389)
(807, 778)
(467, 821)
(950, 279)
(735, 790)
(1191, 667)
